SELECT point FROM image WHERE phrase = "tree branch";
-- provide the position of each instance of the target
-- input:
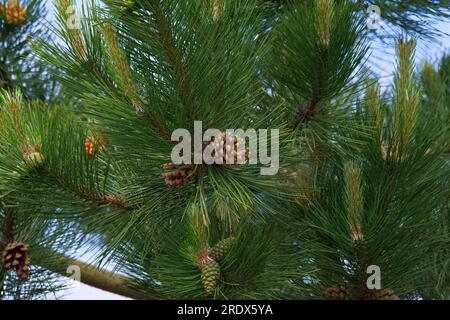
(308, 111)
(175, 59)
(6, 80)
(86, 194)
(95, 277)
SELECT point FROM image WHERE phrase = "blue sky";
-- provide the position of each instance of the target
(383, 63)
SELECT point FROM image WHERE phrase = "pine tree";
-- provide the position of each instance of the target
(412, 16)
(363, 177)
(21, 68)
(22, 21)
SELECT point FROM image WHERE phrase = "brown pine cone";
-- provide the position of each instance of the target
(168, 165)
(15, 258)
(338, 292)
(382, 294)
(230, 145)
(179, 177)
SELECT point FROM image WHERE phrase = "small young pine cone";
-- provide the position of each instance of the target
(93, 146)
(14, 14)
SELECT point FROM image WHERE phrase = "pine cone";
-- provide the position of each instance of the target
(14, 14)
(382, 294)
(168, 165)
(222, 248)
(210, 275)
(15, 258)
(93, 147)
(179, 177)
(230, 145)
(338, 292)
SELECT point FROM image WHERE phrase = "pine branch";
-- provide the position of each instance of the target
(79, 44)
(410, 16)
(325, 11)
(19, 66)
(126, 80)
(81, 191)
(100, 279)
(5, 76)
(175, 59)
(96, 70)
(307, 112)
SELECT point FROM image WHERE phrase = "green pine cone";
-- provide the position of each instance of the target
(210, 276)
(222, 248)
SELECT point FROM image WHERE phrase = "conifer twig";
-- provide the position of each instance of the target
(175, 59)
(98, 197)
(127, 82)
(325, 16)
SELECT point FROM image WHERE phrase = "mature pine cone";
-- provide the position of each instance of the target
(222, 248)
(338, 292)
(382, 294)
(231, 148)
(210, 275)
(179, 177)
(15, 258)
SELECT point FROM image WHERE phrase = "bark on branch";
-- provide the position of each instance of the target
(94, 277)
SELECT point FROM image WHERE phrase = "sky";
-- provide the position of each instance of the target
(382, 62)
(84, 292)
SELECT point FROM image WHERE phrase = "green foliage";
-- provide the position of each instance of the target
(20, 67)
(363, 178)
(417, 16)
